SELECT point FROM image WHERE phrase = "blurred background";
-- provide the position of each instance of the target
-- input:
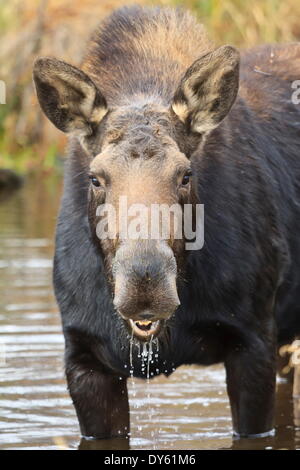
(30, 28)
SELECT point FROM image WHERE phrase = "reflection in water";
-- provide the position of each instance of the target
(188, 410)
(104, 444)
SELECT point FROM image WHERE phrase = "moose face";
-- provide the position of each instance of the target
(141, 163)
(136, 153)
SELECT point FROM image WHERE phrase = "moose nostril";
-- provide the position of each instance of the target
(146, 316)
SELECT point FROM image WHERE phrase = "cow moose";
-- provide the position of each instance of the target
(159, 114)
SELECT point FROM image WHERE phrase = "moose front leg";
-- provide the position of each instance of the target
(251, 381)
(100, 400)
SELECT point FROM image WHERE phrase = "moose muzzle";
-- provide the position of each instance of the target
(145, 285)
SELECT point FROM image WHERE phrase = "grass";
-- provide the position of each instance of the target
(246, 23)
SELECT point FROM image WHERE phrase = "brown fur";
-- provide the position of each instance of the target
(264, 72)
(157, 44)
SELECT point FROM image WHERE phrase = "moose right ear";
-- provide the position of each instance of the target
(68, 96)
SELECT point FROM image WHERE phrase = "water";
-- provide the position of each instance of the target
(188, 410)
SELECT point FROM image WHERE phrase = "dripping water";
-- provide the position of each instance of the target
(130, 355)
(147, 352)
(133, 384)
(149, 358)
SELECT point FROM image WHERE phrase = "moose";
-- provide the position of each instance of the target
(159, 114)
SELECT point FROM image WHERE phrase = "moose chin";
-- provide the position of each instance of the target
(160, 115)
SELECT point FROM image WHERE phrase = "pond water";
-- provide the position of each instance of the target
(189, 410)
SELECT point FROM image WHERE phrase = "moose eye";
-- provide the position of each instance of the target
(186, 178)
(94, 181)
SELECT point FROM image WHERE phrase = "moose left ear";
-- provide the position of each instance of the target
(68, 96)
(208, 89)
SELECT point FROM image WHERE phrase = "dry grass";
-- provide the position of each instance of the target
(31, 29)
(246, 23)
(61, 27)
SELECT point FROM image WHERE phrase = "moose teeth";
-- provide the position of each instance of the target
(144, 328)
(144, 323)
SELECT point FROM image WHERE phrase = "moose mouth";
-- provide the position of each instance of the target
(145, 329)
